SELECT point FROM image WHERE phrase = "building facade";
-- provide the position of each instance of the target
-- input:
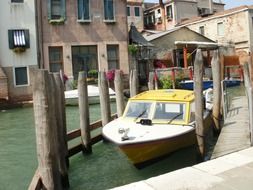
(172, 12)
(18, 52)
(135, 14)
(231, 27)
(83, 35)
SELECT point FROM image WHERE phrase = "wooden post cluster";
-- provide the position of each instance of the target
(50, 127)
(249, 93)
(216, 89)
(104, 98)
(118, 84)
(198, 90)
(83, 103)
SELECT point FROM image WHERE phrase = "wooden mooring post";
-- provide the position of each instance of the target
(84, 112)
(151, 81)
(215, 63)
(133, 82)
(104, 98)
(118, 84)
(249, 93)
(198, 91)
(46, 105)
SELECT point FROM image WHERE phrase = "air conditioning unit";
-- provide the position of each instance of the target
(205, 12)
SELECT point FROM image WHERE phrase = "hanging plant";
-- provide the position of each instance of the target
(132, 49)
(19, 49)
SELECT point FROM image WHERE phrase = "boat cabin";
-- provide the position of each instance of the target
(162, 106)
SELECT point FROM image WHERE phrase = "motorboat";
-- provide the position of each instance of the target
(71, 96)
(156, 123)
(189, 84)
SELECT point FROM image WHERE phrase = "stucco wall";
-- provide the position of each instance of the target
(97, 32)
(236, 30)
(17, 16)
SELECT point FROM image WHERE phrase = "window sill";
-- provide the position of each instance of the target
(84, 21)
(57, 22)
(109, 21)
(21, 85)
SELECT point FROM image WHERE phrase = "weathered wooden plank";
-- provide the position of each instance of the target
(36, 183)
(133, 82)
(118, 83)
(84, 111)
(75, 149)
(198, 90)
(45, 127)
(216, 89)
(104, 98)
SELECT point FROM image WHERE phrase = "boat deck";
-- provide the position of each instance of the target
(235, 134)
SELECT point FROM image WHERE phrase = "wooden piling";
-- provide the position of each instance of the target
(104, 98)
(151, 81)
(133, 83)
(198, 91)
(60, 117)
(84, 112)
(249, 93)
(45, 128)
(215, 63)
(118, 83)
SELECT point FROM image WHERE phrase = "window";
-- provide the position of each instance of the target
(108, 10)
(56, 10)
(83, 9)
(55, 59)
(220, 29)
(136, 11)
(84, 58)
(17, 1)
(128, 11)
(202, 30)
(21, 76)
(113, 57)
(18, 39)
(169, 12)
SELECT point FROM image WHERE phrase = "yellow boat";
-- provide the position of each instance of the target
(155, 123)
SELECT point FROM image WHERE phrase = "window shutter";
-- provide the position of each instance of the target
(11, 39)
(27, 39)
(63, 6)
(49, 9)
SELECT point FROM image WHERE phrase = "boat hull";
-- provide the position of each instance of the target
(141, 153)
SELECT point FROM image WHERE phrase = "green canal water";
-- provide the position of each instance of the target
(105, 168)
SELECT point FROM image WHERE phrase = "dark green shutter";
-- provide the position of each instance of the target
(63, 6)
(49, 9)
(27, 39)
(11, 39)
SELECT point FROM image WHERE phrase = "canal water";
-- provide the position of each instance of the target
(105, 168)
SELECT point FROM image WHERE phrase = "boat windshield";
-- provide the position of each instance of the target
(138, 109)
(170, 111)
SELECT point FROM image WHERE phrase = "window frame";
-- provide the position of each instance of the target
(11, 38)
(128, 11)
(17, 1)
(202, 30)
(139, 10)
(219, 33)
(57, 62)
(171, 16)
(14, 76)
(63, 12)
(89, 15)
(109, 20)
(117, 60)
